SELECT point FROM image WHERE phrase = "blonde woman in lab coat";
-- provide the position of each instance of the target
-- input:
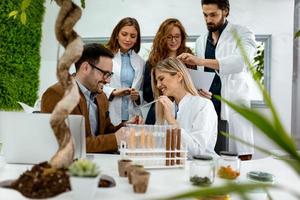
(169, 41)
(192, 113)
(124, 90)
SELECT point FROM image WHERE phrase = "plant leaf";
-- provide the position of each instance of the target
(281, 138)
(12, 13)
(82, 3)
(249, 144)
(266, 96)
(293, 163)
(25, 4)
(297, 34)
(23, 17)
(240, 188)
(268, 194)
(280, 130)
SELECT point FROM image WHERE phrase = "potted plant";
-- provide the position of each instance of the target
(84, 178)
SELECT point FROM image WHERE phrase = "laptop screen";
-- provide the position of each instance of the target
(29, 139)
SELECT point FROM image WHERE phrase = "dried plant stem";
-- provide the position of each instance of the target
(68, 15)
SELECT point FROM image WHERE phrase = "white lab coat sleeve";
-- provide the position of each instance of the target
(108, 90)
(199, 45)
(234, 63)
(201, 138)
(141, 97)
(142, 83)
(140, 89)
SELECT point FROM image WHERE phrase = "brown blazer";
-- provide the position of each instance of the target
(106, 140)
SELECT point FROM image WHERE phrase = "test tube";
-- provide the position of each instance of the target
(173, 141)
(178, 144)
(168, 146)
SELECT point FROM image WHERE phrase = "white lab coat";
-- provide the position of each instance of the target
(198, 121)
(235, 79)
(115, 105)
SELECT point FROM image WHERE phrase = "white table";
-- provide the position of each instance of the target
(163, 182)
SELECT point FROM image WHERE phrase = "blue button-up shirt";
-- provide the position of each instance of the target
(127, 76)
(92, 107)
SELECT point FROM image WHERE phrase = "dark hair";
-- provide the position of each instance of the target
(113, 43)
(222, 4)
(91, 53)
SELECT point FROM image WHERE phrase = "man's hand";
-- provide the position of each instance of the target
(135, 120)
(205, 93)
(121, 92)
(134, 94)
(189, 59)
(120, 135)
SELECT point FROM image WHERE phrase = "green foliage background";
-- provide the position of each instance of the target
(19, 54)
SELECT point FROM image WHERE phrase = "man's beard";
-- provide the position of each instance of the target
(215, 27)
(99, 88)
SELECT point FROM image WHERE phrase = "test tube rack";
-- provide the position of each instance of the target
(154, 146)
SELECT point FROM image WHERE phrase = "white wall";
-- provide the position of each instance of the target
(263, 17)
(296, 79)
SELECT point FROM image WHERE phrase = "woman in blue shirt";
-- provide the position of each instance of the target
(124, 89)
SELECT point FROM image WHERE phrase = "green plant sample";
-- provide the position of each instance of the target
(200, 181)
(84, 168)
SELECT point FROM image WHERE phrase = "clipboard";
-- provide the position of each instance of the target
(201, 79)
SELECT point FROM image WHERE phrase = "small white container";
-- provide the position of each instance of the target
(84, 188)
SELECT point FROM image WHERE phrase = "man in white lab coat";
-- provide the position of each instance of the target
(217, 52)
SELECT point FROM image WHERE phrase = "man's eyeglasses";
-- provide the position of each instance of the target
(171, 37)
(106, 74)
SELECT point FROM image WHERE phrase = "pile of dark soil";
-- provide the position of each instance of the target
(42, 181)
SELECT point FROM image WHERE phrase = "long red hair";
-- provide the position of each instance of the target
(159, 50)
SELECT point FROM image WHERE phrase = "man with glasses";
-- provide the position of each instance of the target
(93, 71)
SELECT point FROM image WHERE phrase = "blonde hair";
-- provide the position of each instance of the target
(171, 66)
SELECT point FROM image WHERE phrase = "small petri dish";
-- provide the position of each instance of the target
(261, 177)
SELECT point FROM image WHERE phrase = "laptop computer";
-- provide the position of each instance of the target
(28, 138)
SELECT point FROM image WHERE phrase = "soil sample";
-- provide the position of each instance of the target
(106, 181)
(42, 181)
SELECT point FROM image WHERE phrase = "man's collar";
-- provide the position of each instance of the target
(223, 27)
(83, 89)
